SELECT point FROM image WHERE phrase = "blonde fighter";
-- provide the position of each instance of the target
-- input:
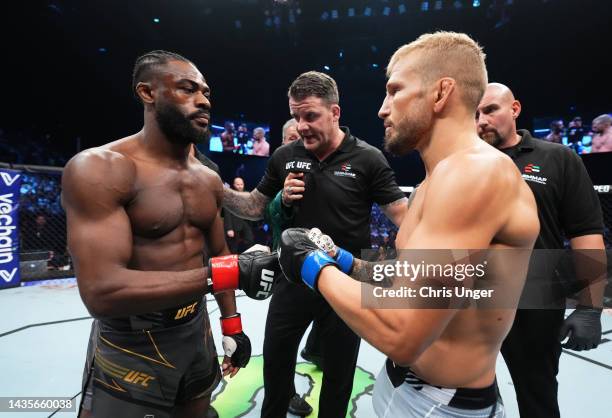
(473, 197)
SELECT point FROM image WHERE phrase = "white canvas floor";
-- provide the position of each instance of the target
(44, 331)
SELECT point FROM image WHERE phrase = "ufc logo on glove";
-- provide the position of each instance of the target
(267, 279)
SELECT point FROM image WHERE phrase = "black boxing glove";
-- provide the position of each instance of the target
(236, 345)
(252, 272)
(583, 327)
(301, 260)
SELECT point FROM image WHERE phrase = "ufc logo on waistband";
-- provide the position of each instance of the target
(267, 278)
(183, 312)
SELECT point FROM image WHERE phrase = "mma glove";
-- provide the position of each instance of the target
(236, 345)
(253, 272)
(583, 327)
(301, 260)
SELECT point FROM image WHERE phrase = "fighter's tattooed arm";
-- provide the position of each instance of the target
(363, 271)
(246, 205)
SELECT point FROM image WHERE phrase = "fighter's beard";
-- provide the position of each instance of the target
(178, 128)
(492, 138)
(405, 136)
(395, 144)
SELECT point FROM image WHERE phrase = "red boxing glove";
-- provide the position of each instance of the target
(224, 273)
(253, 272)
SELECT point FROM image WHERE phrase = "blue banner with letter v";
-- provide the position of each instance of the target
(10, 184)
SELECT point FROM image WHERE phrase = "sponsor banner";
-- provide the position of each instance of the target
(55, 283)
(10, 183)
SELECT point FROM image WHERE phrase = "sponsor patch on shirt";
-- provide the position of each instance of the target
(529, 174)
(535, 179)
(345, 170)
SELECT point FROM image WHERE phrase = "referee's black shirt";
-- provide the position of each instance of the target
(340, 190)
(567, 202)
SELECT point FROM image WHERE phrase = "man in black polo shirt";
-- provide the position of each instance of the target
(567, 207)
(330, 179)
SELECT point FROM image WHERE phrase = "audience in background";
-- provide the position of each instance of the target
(238, 231)
(382, 230)
(40, 193)
(28, 147)
(39, 234)
(42, 224)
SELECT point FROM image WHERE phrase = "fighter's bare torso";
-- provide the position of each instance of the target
(170, 206)
(465, 353)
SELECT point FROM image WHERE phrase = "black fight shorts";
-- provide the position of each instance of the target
(146, 372)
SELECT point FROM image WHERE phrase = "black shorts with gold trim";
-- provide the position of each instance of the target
(147, 364)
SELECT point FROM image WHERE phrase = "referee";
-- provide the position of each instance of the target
(330, 179)
(568, 207)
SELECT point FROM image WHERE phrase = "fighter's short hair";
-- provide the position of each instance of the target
(147, 64)
(449, 54)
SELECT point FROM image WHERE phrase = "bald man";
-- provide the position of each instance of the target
(568, 207)
(441, 358)
(239, 231)
(602, 130)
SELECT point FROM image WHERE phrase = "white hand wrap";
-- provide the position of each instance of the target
(324, 242)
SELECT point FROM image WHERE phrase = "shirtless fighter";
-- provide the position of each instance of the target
(441, 362)
(143, 214)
